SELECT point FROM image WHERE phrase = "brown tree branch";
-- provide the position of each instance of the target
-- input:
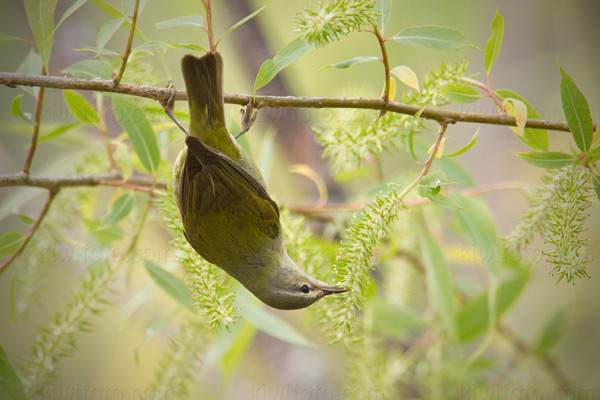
(53, 183)
(55, 82)
(52, 192)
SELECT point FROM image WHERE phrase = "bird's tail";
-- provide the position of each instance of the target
(204, 84)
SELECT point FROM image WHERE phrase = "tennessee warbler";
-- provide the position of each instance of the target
(228, 216)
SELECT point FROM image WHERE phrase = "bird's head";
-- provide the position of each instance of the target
(290, 288)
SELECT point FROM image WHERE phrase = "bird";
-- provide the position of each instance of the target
(228, 216)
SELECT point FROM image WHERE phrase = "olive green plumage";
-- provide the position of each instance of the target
(228, 216)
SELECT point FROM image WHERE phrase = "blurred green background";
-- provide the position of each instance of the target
(538, 34)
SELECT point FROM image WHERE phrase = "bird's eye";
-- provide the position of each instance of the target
(305, 289)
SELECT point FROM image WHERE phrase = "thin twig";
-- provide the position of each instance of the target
(11, 79)
(102, 128)
(386, 65)
(51, 193)
(127, 53)
(39, 104)
(357, 205)
(53, 183)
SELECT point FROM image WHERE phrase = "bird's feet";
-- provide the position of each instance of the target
(168, 104)
(248, 117)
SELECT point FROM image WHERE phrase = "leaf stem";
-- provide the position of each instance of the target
(386, 65)
(209, 26)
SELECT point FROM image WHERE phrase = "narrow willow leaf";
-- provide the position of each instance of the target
(576, 111)
(461, 93)
(101, 52)
(119, 210)
(10, 384)
(466, 148)
(517, 109)
(141, 135)
(439, 283)
(411, 133)
(188, 46)
(31, 65)
(170, 284)
(232, 357)
(107, 30)
(268, 323)
(596, 180)
(9, 38)
(58, 131)
(188, 20)
(473, 319)
(406, 76)
(128, 6)
(80, 108)
(348, 63)
(40, 14)
(15, 109)
(153, 45)
(69, 11)
(9, 243)
(114, 12)
(290, 53)
(552, 332)
(26, 218)
(109, 234)
(433, 37)
(534, 138)
(244, 20)
(478, 227)
(494, 43)
(547, 159)
(383, 11)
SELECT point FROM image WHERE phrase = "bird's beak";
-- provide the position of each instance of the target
(327, 290)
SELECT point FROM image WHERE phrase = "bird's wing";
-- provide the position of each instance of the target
(212, 182)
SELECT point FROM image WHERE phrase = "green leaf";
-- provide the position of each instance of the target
(101, 52)
(348, 63)
(432, 183)
(26, 218)
(9, 38)
(69, 11)
(152, 46)
(109, 234)
(15, 109)
(290, 53)
(576, 111)
(170, 284)
(395, 321)
(431, 36)
(188, 46)
(407, 76)
(461, 93)
(266, 322)
(80, 108)
(141, 135)
(188, 20)
(547, 159)
(494, 43)
(473, 319)
(243, 340)
(114, 12)
(411, 132)
(119, 210)
(9, 243)
(596, 180)
(439, 283)
(31, 65)
(90, 69)
(244, 20)
(58, 131)
(40, 14)
(552, 332)
(478, 227)
(10, 384)
(383, 10)
(534, 138)
(127, 7)
(107, 30)
(466, 148)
